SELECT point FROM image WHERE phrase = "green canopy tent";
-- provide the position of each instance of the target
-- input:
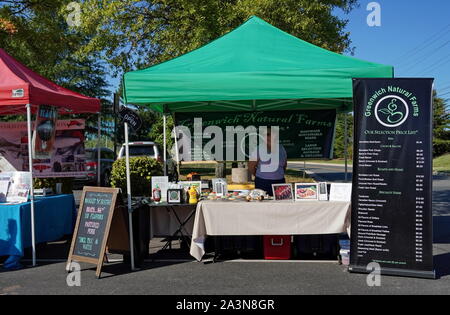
(256, 67)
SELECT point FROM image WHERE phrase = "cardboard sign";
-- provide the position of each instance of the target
(98, 217)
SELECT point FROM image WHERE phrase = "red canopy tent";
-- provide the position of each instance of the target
(20, 86)
(22, 91)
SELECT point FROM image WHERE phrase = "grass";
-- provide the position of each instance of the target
(442, 163)
(207, 172)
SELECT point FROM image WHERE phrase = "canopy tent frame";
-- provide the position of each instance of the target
(255, 67)
(33, 90)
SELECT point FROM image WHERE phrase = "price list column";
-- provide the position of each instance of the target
(420, 201)
(392, 180)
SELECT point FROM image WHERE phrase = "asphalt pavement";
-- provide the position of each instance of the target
(184, 277)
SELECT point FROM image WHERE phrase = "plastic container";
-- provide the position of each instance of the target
(277, 247)
(345, 257)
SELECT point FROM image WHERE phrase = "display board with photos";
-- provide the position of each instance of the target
(60, 156)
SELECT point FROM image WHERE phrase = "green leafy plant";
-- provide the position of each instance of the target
(141, 170)
(440, 147)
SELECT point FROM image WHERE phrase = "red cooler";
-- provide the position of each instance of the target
(277, 247)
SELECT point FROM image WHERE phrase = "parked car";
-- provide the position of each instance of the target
(151, 149)
(106, 161)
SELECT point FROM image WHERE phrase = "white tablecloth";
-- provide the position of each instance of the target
(222, 218)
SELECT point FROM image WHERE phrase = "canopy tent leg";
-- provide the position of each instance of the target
(99, 154)
(346, 147)
(165, 144)
(30, 162)
(130, 210)
(177, 153)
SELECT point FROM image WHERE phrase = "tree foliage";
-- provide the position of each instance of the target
(163, 29)
(38, 35)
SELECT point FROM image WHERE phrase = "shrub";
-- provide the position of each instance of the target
(141, 170)
(67, 184)
(440, 147)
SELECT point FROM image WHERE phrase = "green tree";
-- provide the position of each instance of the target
(134, 34)
(36, 33)
(39, 37)
(441, 119)
(441, 126)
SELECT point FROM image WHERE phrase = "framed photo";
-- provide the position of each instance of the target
(306, 192)
(174, 196)
(282, 192)
(341, 192)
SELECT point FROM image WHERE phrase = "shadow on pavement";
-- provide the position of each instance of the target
(442, 265)
(441, 229)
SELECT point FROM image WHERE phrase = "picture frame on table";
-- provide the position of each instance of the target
(341, 192)
(282, 192)
(175, 196)
(306, 192)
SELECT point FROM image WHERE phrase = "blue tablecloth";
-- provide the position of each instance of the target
(54, 217)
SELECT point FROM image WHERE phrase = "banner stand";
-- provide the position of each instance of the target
(130, 210)
(431, 275)
(30, 161)
(392, 211)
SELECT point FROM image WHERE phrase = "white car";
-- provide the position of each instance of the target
(151, 149)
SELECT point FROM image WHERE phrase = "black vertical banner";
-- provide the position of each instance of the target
(392, 181)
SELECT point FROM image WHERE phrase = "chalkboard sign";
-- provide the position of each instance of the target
(392, 221)
(97, 209)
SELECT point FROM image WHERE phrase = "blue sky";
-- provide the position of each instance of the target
(414, 37)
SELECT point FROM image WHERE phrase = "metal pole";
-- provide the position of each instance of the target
(165, 144)
(346, 146)
(99, 153)
(177, 153)
(30, 162)
(130, 210)
(116, 112)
